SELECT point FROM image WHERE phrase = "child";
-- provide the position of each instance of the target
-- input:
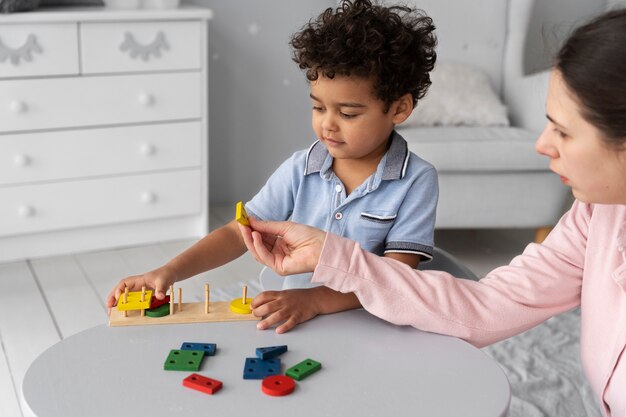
(367, 65)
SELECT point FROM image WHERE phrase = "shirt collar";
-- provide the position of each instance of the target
(395, 160)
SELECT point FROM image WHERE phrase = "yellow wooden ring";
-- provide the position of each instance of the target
(237, 306)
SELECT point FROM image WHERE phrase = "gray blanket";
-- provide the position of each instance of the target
(543, 368)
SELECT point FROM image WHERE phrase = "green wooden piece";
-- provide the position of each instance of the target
(160, 311)
(303, 369)
(183, 360)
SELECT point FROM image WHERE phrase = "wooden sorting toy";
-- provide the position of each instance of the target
(240, 214)
(242, 305)
(278, 385)
(202, 383)
(208, 348)
(160, 311)
(154, 303)
(303, 369)
(133, 300)
(270, 352)
(256, 368)
(200, 312)
(183, 360)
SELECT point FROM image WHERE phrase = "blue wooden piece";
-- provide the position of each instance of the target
(270, 352)
(208, 348)
(256, 368)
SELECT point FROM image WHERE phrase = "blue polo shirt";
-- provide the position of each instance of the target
(392, 211)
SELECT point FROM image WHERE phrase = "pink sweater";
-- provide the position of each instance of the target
(580, 263)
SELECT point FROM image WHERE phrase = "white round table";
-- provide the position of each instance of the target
(369, 368)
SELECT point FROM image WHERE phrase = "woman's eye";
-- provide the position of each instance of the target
(560, 133)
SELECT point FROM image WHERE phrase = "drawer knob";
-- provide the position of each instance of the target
(17, 106)
(21, 160)
(148, 197)
(26, 211)
(146, 99)
(147, 149)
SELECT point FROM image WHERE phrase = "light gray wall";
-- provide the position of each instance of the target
(259, 105)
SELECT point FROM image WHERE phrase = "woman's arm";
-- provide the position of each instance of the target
(545, 280)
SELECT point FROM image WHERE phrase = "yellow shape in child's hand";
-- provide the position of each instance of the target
(241, 216)
(133, 301)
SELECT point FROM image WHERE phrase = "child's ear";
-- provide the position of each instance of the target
(402, 108)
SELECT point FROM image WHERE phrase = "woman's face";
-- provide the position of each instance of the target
(578, 153)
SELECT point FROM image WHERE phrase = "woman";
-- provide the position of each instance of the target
(581, 263)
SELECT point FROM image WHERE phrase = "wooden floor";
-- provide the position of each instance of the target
(46, 300)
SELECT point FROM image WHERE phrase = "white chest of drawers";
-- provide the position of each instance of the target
(103, 129)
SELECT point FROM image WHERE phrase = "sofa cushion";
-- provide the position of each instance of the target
(460, 95)
(476, 148)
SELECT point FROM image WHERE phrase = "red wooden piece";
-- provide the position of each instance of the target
(278, 385)
(154, 303)
(202, 383)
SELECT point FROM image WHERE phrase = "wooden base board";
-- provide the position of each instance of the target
(192, 313)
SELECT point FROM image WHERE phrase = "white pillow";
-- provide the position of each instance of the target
(460, 95)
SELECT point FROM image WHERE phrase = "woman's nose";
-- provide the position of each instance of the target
(544, 145)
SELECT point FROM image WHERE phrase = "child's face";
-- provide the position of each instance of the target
(349, 120)
(577, 151)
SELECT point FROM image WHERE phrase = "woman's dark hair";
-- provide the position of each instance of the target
(593, 65)
(395, 45)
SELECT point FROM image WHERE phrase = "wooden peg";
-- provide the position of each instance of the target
(206, 298)
(143, 299)
(171, 300)
(244, 299)
(125, 300)
(180, 299)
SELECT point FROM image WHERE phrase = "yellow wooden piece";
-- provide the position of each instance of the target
(133, 301)
(241, 216)
(237, 306)
(192, 313)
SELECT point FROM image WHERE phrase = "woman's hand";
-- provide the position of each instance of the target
(286, 247)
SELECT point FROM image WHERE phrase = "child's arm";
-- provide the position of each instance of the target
(410, 259)
(215, 249)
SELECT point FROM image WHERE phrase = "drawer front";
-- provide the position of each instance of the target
(140, 46)
(36, 50)
(90, 101)
(33, 157)
(55, 206)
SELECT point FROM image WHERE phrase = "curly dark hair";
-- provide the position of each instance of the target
(394, 44)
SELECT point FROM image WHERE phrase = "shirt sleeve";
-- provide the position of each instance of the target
(275, 200)
(543, 281)
(414, 227)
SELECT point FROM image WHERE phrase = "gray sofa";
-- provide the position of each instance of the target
(491, 176)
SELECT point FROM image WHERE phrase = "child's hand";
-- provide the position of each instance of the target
(158, 280)
(289, 307)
